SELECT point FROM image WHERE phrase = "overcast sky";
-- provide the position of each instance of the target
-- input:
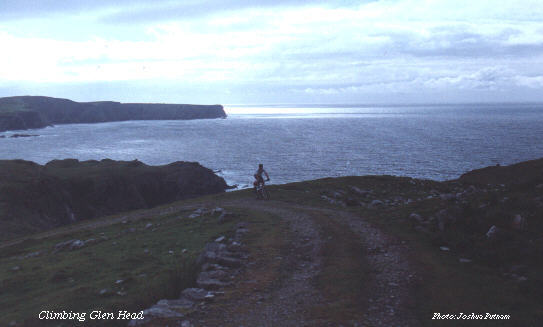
(273, 51)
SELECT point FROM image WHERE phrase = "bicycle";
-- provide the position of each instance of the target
(261, 192)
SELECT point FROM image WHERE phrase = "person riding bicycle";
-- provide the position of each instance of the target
(258, 176)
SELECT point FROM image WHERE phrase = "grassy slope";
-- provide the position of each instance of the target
(73, 279)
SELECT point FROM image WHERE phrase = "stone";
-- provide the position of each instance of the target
(416, 218)
(104, 292)
(447, 196)
(219, 239)
(149, 225)
(444, 248)
(119, 281)
(210, 283)
(194, 294)
(32, 255)
(493, 232)
(377, 203)
(217, 210)
(69, 245)
(213, 274)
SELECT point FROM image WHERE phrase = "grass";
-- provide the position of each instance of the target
(72, 280)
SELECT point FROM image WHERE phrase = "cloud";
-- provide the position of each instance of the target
(286, 48)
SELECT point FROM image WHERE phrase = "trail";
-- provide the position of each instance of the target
(296, 296)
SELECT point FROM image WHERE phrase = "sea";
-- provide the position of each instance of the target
(304, 142)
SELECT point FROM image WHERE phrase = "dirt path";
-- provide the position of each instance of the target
(293, 299)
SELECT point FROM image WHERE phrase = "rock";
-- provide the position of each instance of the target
(104, 292)
(212, 266)
(194, 294)
(217, 210)
(228, 262)
(69, 245)
(444, 248)
(210, 283)
(164, 309)
(363, 193)
(149, 225)
(493, 232)
(415, 217)
(213, 274)
(31, 255)
(377, 203)
(209, 297)
(22, 135)
(219, 239)
(184, 251)
(119, 281)
(121, 293)
(447, 196)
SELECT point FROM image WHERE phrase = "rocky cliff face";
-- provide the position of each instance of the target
(35, 112)
(35, 197)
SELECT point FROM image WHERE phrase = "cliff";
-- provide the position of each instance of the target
(25, 112)
(35, 197)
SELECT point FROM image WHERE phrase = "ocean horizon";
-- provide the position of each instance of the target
(301, 142)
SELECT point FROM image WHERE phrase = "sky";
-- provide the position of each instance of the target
(273, 51)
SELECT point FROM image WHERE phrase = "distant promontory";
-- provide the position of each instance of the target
(27, 112)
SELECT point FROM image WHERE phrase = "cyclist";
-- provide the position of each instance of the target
(258, 176)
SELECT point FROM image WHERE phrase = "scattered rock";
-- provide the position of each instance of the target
(69, 245)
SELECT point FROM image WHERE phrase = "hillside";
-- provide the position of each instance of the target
(351, 251)
(35, 198)
(26, 112)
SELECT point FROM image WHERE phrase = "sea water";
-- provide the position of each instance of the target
(305, 142)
